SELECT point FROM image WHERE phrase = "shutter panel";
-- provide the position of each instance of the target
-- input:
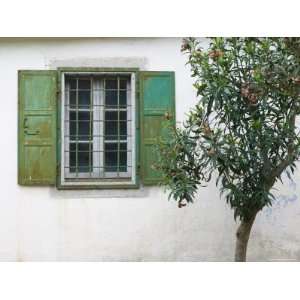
(37, 128)
(157, 94)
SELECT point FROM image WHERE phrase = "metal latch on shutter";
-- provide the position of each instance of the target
(28, 131)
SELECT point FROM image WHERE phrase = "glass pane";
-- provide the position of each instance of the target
(72, 157)
(111, 84)
(111, 98)
(73, 84)
(84, 84)
(123, 98)
(82, 115)
(84, 129)
(111, 115)
(123, 115)
(123, 84)
(123, 157)
(84, 99)
(72, 115)
(123, 125)
(111, 157)
(111, 125)
(123, 130)
(72, 99)
(72, 130)
(84, 156)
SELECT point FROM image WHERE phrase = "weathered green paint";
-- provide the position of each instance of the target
(39, 133)
(157, 95)
(59, 186)
(37, 128)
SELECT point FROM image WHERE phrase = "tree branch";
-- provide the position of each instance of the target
(276, 172)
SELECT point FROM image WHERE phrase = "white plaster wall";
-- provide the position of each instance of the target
(43, 224)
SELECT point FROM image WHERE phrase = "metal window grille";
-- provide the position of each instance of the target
(98, 135)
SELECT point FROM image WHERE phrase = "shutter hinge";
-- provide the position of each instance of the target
(58, 93)
(138, 170)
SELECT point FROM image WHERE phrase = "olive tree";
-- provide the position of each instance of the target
(242, 130)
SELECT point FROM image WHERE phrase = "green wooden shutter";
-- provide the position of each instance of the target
(157, 95)
(37, 128)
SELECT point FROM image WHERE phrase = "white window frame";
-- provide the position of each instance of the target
(97, 177)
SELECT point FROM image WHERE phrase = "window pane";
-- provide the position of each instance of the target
(111, 125)
(72, 157)
(111, 116)
(123, 157)
(82, 115)
(72, 99)
(123, 130)
(84, 156)
(123, 98)
(72, 130)
(123, 115)
(111, 84)
(84, 84)
(123, 125)
(123, 84)
(85, 130)
(84, 99)
(111, 130)
(82, 92)
(73, 84)
(111, 98)
(111, 157)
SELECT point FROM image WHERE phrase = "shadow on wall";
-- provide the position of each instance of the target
(141, 192)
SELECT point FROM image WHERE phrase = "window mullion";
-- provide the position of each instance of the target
(118, 127)
(102, 130)
(90, 127)
(77, 129)
(97, 127)
(129, 139)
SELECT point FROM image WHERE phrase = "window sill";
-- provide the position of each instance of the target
(95, 186)
(137, 191)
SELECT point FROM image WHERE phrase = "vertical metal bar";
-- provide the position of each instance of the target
(90, 131)
(77, 127)
(118, 109)
(98, 115)
(103, 126)
(129, 143)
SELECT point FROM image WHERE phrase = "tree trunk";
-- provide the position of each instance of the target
(242, 237)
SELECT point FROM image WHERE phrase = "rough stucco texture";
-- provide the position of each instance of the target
(43, 224)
